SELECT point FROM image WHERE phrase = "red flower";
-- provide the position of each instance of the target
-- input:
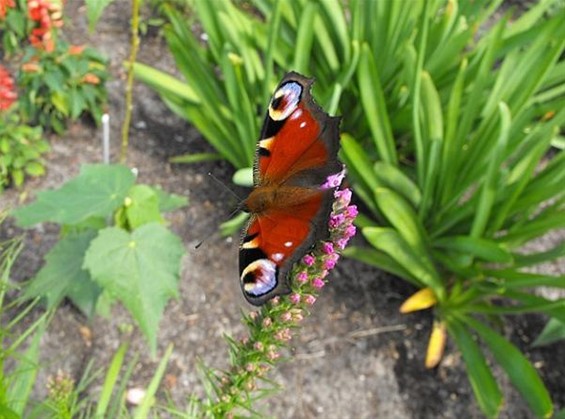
(48, 14)
(4, 6)
(8, 93)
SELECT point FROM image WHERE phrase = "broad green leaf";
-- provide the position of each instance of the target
(168, 201)
(482, 381)
(520, 371)
(63, 274)
(553, 331)
(142, 206)
(140, 268)
(484, 249)
(35, 168)
(97, 191)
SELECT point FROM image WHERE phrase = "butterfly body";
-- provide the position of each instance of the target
(289, 207)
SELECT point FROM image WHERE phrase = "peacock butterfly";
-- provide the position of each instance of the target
(289, 205)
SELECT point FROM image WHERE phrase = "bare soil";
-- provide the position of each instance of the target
(356, 356)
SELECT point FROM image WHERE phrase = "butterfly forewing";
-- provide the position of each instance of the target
(289, 210)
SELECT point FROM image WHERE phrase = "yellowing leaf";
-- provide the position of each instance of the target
(436, 345)
(421, 300)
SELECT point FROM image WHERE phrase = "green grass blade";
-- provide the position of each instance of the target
(143, 410)
(108, 388)
(24, 375)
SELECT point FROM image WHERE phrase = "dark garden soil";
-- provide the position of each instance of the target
(356, 356)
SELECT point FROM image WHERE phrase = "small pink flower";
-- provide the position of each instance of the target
(330, 262)
(258, 346)
(298, 316)
(333, 181)
(250, 367)
(253, 315)
(295, 298)
(272, 355)
(275, 300)
(308, 260)
(318, 283)
(344, 196)
(310, 299)
(267, 322)
(342, 243)
(286, 316)
(328, 248)
(302, 277)
(283, 335)
(336, 220)
(352, 211)
(350, 231)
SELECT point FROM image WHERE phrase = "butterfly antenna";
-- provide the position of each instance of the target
(226, 187)
(213, 231)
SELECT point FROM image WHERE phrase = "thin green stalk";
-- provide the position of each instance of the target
(129, 84)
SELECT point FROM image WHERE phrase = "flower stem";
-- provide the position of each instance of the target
(129, 85)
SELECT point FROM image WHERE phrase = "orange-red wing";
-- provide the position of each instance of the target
(297, 135)
(274, 242)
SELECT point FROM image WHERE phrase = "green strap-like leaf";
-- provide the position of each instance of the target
(484, 249)
(416, 263)
(480, 376)
(520, 371)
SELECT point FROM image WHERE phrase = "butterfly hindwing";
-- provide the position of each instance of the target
(289, 209)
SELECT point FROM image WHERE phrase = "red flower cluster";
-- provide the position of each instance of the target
(4, 6)
(8, 93)
(48, 14)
